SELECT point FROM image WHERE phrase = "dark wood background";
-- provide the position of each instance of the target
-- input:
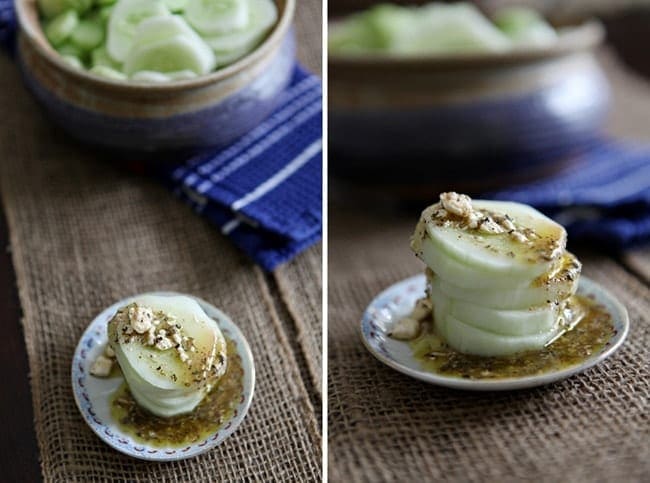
(628, 33)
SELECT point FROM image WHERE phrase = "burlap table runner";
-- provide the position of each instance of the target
(384, 426)
(85, 234)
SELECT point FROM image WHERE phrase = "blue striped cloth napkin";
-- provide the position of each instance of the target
(264, 191)
(603, 199)
(7, 24)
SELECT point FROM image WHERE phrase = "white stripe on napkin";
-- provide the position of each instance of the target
(271, 183)
(230, 226)
(261, 146)
(260, 131)
(291, 95)
(268, 185)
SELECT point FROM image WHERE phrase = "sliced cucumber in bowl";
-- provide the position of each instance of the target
(61, 27)
(124, 21)
(144, 37)
(211, 17)
(170, 55)
(99, 56)
(262, 16)
(158, 77)
(168, 44)
(88, 34)
(52, 8)
(107, 72)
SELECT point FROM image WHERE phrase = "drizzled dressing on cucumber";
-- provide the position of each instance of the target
(155, 41)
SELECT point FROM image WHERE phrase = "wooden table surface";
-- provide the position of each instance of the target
(18, 449)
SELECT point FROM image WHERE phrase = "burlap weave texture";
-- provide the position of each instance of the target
(384, 426)
(84, 234)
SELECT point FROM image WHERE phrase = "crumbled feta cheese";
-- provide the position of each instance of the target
(488, 225)
(422, 309)
(474, 219)
(406, 329)
(520, 237)
(460, 205)
(109, 352)
(164, 343)
(151, 336)
(141, 318)
(440, 213)
(101, 367)
(505, 223)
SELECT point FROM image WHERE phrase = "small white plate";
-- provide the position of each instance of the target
(398, 300)
(92, 394)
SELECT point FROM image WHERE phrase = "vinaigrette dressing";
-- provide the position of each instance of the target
(586, 337)
(217, 407)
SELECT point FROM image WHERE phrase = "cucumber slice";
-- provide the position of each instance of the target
(107, 72)
(226, 58)
(176, 5)
(52, 8)
(61, 27)
(386, 25)
(444, 29)
(470, 340)
(88, 34)
(350, 36)
(73, 61)
(527, 321)
(525, 26)
(154, 388)
(104, 13)
(180, 52)
(262, 15)
(157, 77)
(100, 57)
(150, 76)
(498, 254)
(462, 275)
(124, 21)
(156, 29)
(70, 50)
(558, 284)
(181, 75)
(212, 17)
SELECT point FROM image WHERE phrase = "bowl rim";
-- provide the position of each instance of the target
(583, 37)
(270, 43)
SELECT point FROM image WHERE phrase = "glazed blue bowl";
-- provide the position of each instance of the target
(211, 110)
(476, 121)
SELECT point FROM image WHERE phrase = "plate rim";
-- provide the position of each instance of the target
(211, 441)
(505, 384)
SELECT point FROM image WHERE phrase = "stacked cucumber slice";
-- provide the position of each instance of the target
(162, 376)
(499, 276)
(155, 40)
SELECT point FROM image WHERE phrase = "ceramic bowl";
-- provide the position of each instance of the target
(472, 118)
(211, 110)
